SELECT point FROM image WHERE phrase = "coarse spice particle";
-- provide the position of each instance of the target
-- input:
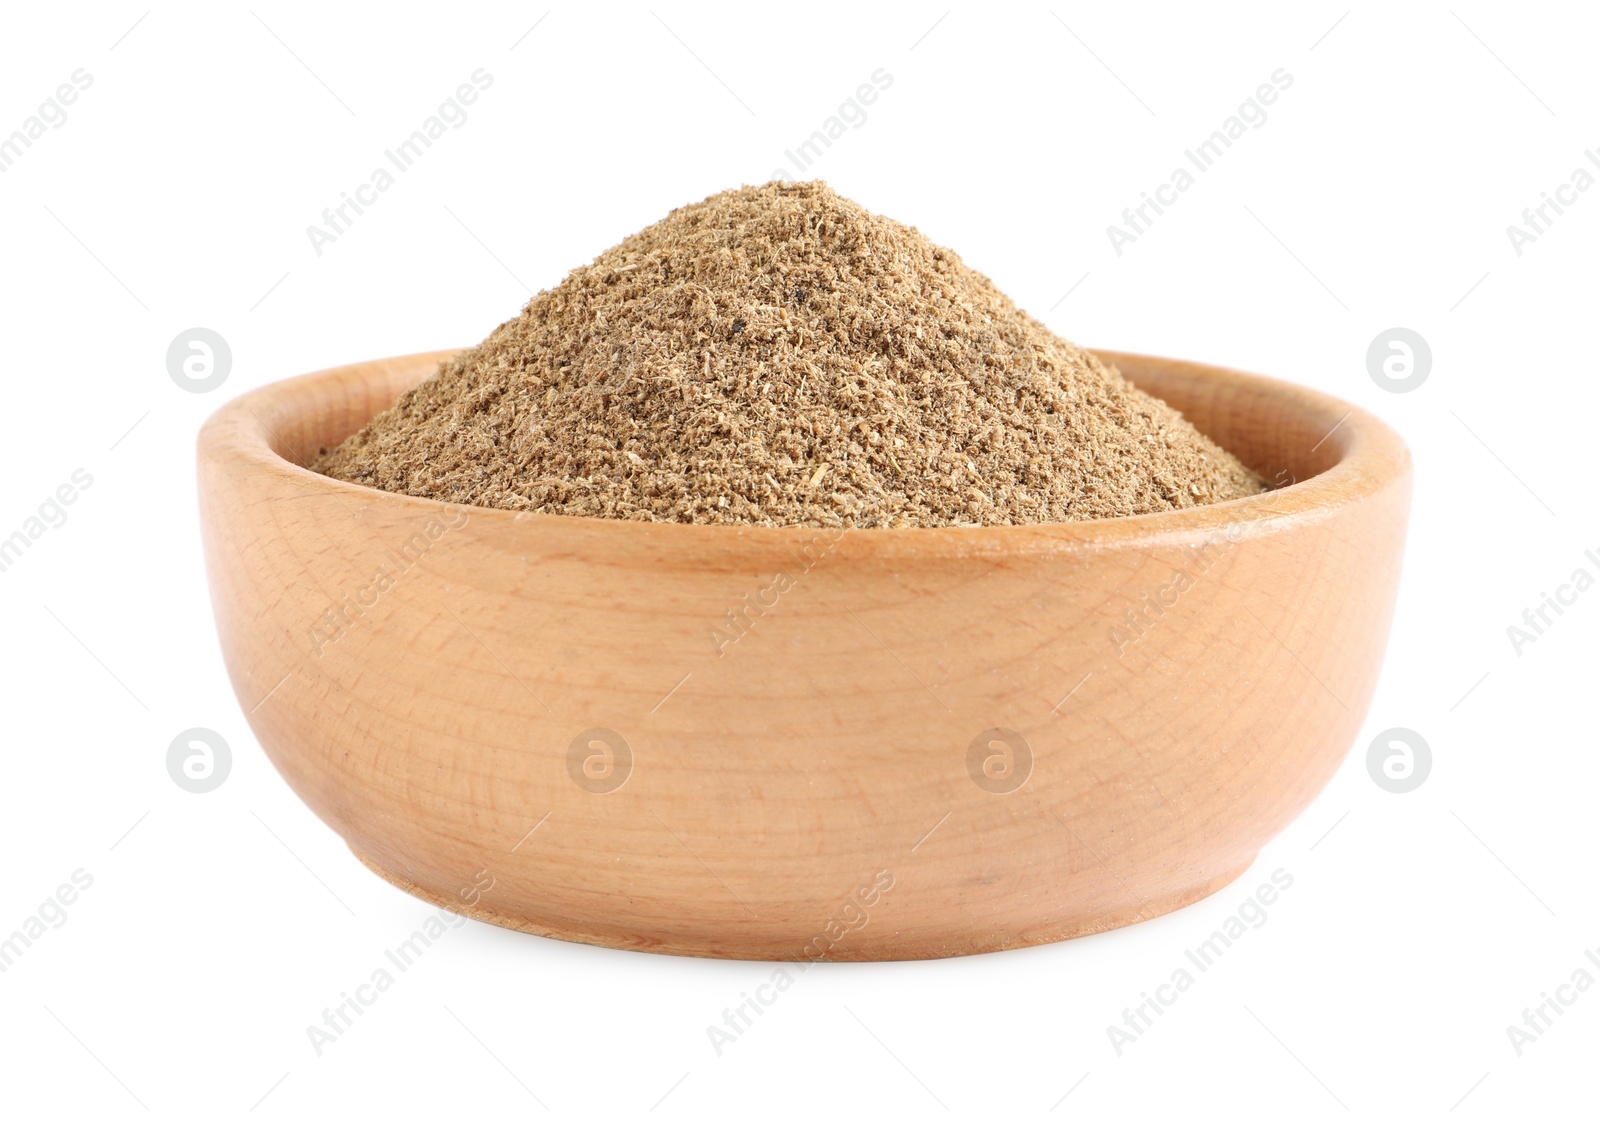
(778, 356)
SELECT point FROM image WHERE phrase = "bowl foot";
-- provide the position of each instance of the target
(969, 944)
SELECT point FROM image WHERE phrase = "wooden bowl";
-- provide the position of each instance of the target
(793, 743)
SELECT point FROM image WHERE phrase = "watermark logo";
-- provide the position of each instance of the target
(999, 760)
(199, 360)
(199, 760)
(1398, 360)
(1399, 760)
(599, 760)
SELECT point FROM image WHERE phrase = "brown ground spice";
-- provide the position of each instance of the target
(778, 356)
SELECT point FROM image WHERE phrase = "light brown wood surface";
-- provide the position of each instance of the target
(804, 792)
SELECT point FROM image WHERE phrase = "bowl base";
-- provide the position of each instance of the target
(970, 944)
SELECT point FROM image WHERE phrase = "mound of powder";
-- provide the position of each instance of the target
(779, 356)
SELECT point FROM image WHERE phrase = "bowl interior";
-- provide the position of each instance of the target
(322, 409)
(1285, 433)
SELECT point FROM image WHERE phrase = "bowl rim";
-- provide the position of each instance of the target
(1371, 458)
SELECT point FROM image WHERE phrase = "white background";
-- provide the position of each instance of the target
(1377, 194)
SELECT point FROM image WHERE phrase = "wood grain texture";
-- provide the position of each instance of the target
(1185, 684)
